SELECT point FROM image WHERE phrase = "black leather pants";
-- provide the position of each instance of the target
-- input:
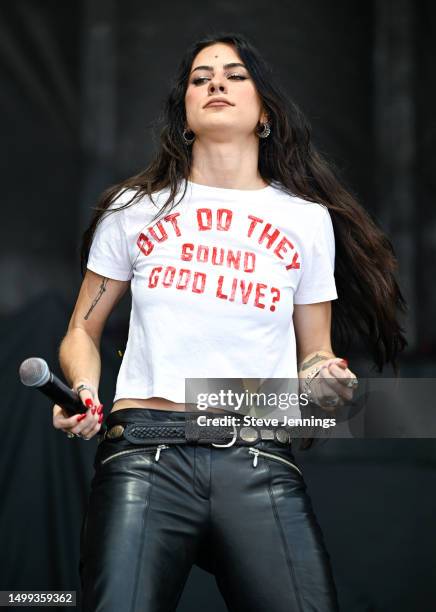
(249, 522)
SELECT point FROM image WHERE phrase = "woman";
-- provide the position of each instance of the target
(236, 279)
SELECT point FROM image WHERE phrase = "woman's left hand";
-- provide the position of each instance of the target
(334, 384)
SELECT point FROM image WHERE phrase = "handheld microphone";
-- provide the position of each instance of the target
(35, 373)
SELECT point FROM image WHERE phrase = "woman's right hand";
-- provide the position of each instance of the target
(88, 423)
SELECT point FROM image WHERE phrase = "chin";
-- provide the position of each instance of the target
(218, 128)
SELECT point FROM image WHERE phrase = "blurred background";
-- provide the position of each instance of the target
(81, 86)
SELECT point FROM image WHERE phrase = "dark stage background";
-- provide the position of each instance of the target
(81, 84)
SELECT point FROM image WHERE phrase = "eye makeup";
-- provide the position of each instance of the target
(236, 77)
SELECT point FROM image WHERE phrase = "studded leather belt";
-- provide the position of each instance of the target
(189, 431)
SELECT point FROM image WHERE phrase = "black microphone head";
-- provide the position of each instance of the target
(34, 372)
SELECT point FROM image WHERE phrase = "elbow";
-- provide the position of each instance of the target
(80, 334)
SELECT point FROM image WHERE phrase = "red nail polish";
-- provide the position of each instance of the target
(100, 410)
(100, 418)
(89, 402)
(81, 417)
(93, 410)
(345, 362)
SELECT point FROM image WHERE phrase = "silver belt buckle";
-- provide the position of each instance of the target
(232, 441)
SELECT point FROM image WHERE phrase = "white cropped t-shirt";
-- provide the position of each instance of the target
(213, 283)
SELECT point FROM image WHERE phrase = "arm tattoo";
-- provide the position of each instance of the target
(310, 362)
(100, 293)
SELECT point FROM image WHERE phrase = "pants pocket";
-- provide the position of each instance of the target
(117, 453)
(272, 456)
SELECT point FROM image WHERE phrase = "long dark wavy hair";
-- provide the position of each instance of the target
(369, 298)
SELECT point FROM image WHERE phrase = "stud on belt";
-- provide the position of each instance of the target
(190, 432)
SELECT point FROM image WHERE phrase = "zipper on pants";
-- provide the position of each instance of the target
(131, 451)
(256, 452)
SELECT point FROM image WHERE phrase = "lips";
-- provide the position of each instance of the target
(218, 102)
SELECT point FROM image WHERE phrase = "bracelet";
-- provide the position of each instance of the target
(308, 379)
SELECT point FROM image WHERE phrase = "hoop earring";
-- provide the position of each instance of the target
(266, 130)
(188, 141)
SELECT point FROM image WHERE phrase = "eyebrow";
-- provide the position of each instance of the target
(210, 68)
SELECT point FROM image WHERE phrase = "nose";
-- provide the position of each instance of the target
(216, 85)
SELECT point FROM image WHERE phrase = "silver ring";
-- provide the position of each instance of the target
(352, 383)
(79, 435)
(70, 434)
(82, 387)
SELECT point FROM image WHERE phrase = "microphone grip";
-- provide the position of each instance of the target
(62, 395)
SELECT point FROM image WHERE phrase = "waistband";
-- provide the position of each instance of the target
(150, 425)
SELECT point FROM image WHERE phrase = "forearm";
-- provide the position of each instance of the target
(79, 358)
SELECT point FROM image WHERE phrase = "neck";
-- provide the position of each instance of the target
(232, 165)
